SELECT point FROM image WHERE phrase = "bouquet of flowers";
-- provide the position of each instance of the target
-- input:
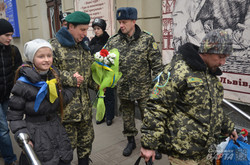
(243, 135)
(105, 72)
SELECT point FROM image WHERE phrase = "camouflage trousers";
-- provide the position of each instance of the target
(127, 108)
(81, 135)
(176, 161)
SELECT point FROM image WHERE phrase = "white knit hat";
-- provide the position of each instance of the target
(31, 47)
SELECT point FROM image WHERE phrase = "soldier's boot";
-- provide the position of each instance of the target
(130, 146)
(83, 161)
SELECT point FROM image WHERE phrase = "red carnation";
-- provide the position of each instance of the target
(104, 53)
(244, 132)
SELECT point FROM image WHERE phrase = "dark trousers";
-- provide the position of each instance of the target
(109, 101)
(5, 140)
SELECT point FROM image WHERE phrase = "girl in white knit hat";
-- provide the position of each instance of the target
(37, 100)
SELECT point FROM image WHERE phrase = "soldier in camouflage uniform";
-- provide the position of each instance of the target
(73, 59)
(184, 116)
(139, 55)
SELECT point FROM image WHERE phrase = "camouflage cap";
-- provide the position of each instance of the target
(78, 17)
(216, 42)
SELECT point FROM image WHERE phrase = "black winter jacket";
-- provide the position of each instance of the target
(10, 60)
(44, 128)
(97, 43)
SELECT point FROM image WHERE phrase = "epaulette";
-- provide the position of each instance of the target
(147, 32)
(109, 39)
(51, 39)
(113, 35)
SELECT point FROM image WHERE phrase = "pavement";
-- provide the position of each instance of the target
(109, 141)
(108, 145)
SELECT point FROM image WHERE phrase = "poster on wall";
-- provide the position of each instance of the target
(97, 9)
(189, 21)
(8, 11)
(167, 27)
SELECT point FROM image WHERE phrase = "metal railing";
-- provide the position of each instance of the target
(236, 109)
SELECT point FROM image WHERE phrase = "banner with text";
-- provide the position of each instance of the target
(188, 21)
(236, 86)
(97, 9)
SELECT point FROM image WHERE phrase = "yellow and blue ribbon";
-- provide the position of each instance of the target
(43, 90)
(52, 90)
(106, 67)
(102, 65)
(158, 80)
(157, 87)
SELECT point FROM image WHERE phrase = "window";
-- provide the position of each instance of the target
(54, 8)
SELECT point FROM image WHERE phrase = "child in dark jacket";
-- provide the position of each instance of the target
(95, 45)
(34, 107)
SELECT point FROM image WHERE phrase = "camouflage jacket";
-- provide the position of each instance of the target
(69, 58)
(139, 55)
(184, 116)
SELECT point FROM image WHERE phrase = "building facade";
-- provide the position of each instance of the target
(39, 18)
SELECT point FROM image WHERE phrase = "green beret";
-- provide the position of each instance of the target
(78, 17)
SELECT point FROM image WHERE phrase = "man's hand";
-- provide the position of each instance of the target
(147, 154)
(31, 144)
(234, 135)
(79, 78)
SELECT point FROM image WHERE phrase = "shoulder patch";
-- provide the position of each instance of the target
(51, 39)
(155, 46)
(147, 32)
(194, 79)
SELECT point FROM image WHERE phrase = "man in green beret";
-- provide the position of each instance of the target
(73, 59)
